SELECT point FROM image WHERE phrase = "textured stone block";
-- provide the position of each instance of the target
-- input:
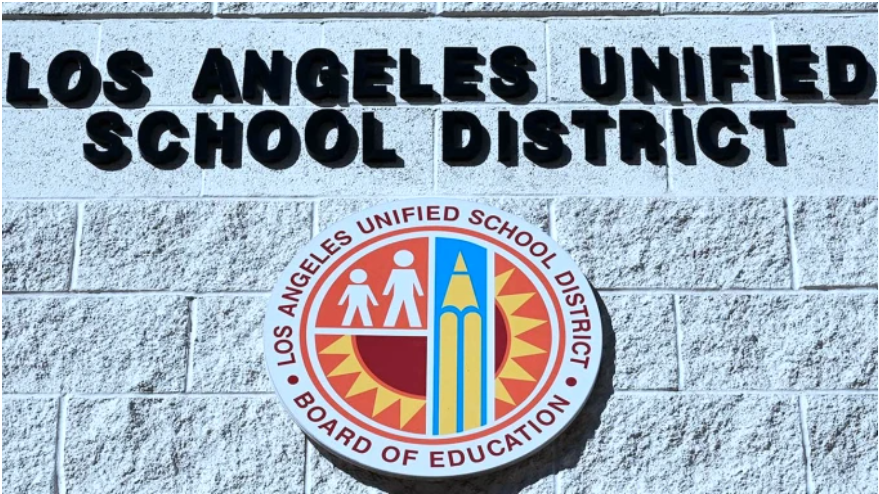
(95, 344)
(779, 342)
(576, 176)
(566, 37)
(190, 245)
(217, 444)
(407, 130)
(38, 240)
(321, 9)
(675, 443)
(39, 43)
(106, 9)
(547, 8)
(228, 352)
(428, 40)
(836, 240)
(860, 31)
(764, 7)
(842, 435)
(29, 431)
(175, 51)
(328, 475)
(39, 166)
(684, 243)
(533, 210)
(824, 155)
(645, 344)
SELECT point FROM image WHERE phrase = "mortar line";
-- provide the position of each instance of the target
(602, 290)
(315, 219)
(77, 246)
(632, 392)
(678, 340)
(436, 16)
(170, 395)
(190, 349)
(548, 74)
(807, 444)
(794, 254)
(419, 194)
(306, 475)
(773, 52)
(100, 39)
(214, 9)
(436, 150)
(60, 444)
(750, 392)
(553, 234)
(119, 293)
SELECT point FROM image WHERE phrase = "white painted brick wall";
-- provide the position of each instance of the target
(742, 301)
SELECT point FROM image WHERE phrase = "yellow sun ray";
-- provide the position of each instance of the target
(520, 348)
(408, 408)
(342, 346)
(511, 303)
(512, 370)
(363, 384)
(519, 324)
(501, 280)
(501, 393)
(383, 399)
(348, 366)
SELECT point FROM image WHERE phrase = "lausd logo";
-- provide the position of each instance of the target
(432, 338)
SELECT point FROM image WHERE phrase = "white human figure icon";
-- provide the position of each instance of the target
(358, 295)
(404, 285)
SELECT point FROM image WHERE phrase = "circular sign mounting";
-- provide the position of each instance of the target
(432, 338)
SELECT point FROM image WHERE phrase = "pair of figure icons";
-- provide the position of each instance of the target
(403, 285)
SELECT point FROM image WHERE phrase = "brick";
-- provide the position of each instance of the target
(677, 243)
(39, 43)
(683, 443)
(546, 8)
(228, 351)
(190, 245)
(819, 341)
(824, 155)
(645, 341)
(566, 37)
(859, 31)
(836, 240)
(37, 166)
(533, 210)
(428, 40)
(190, 444)
(842, 436)
(307, 177)
(176, 50)
(764, 7)
(101, 9)
(575, 175)
(329, 475)
(313, 9)
(95, 344)
(38, 240)
(29, 431)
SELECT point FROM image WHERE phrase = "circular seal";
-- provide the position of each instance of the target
(432, 338)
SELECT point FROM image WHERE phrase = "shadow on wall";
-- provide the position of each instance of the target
(536, 469)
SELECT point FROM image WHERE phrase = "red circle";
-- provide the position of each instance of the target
(292, 379)
(433, 440)
(571, 381)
